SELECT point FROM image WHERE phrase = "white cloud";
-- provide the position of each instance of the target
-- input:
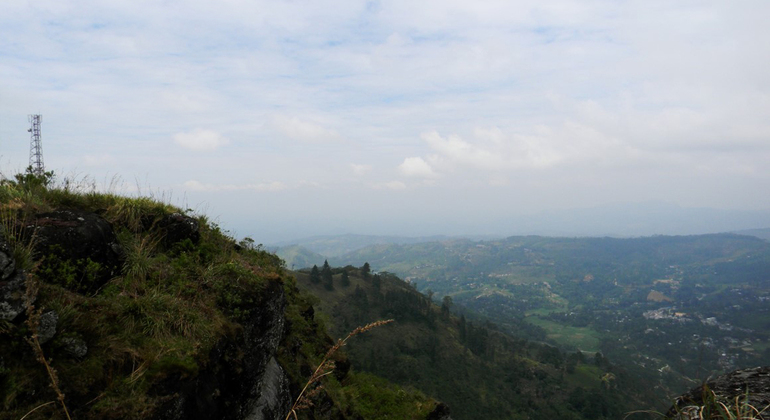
(194, 185)
(200, 140)
(416, 167)
(103, 159)
(303, 130)
(360, 170)
(391, 185)
(310, 184)
(186, 100)
(456, 150)
(499, 181)
(493, 150)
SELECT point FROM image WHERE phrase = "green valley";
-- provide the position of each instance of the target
(672, 309)
(479, 370)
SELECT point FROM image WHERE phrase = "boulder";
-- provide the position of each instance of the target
(47, 328)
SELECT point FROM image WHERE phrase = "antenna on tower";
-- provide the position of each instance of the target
(36, 146)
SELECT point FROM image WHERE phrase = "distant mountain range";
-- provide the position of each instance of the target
(306, 252)
(759, 233)
(635, 219)
(613, 220)
(314, 250)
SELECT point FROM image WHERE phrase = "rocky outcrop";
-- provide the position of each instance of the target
(274, 397)
(174, 228)
(79, 250)
(441, 412)
(12, 286)
(752, 384)
(242, 380)
(76, 249)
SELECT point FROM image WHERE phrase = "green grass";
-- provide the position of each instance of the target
(525, 275)
(760, 347)
(586, 376)
(582, 338)
(557, 304)
(542, 311)
(377, 399)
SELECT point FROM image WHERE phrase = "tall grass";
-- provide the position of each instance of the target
(13, 228)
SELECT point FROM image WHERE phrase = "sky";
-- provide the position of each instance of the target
(284, 119)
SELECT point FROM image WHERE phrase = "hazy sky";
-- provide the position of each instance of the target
(290, 118)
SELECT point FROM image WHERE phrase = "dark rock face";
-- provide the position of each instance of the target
(441, 412)
(12, 290)
(78, 250)
(47, 328)
(243, 379)
(753, 382)
(177, 227)
(274, 396)
(79, 244)
(12, 286)
(7, 264)
(75, 347)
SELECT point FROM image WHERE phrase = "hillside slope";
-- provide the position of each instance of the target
(476, 369)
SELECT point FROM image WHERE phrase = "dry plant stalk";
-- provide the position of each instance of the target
(33, 321)
(37, 408)
(324, 368)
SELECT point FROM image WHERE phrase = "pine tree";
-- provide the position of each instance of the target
(365, 270)
(429, 294)
(326, 276)
(345, 280)
(315, 275)
(446, 304)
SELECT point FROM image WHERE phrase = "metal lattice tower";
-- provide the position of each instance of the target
(35, 145)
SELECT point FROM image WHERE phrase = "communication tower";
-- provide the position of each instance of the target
(35, 145)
